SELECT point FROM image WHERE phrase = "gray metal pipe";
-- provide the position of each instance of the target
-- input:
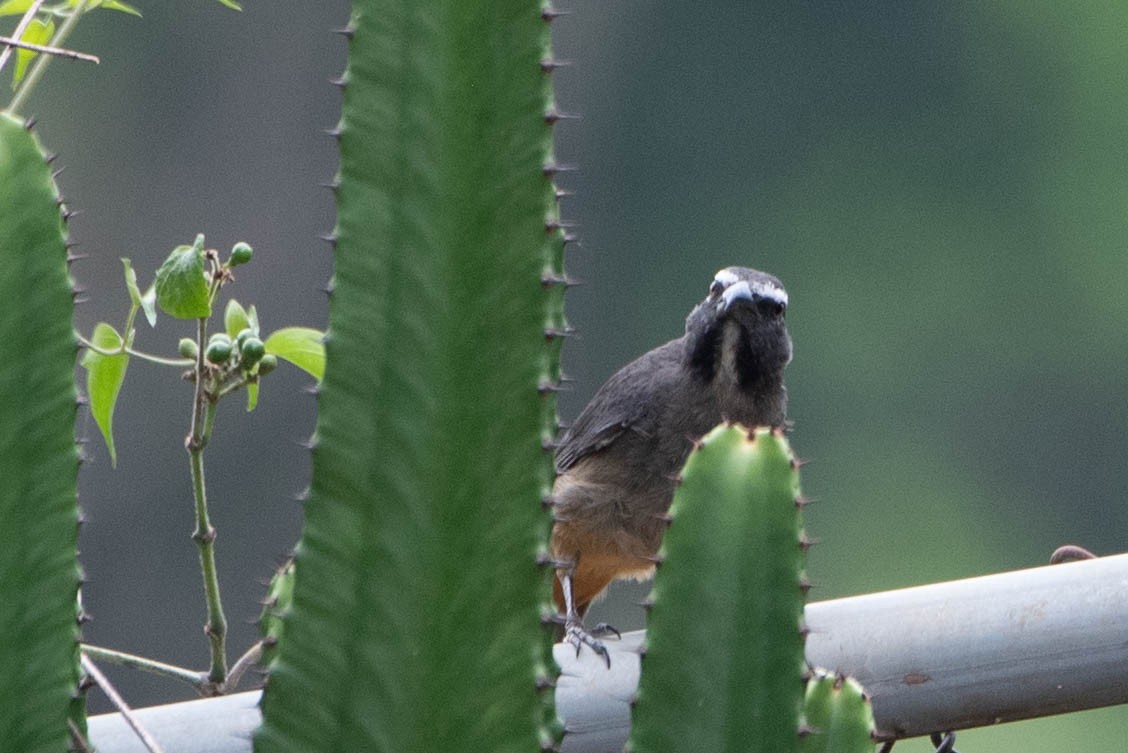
(941, 657)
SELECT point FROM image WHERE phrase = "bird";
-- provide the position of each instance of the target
(617, 464)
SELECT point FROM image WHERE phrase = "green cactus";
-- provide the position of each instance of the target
(415, 622)
(724, 657)
(38, 463)
(837, 716)
(279, 597)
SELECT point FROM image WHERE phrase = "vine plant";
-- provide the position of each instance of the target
(218, 364)
(186, 286)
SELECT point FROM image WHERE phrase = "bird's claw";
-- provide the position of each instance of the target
(603, 630)
(575, 634)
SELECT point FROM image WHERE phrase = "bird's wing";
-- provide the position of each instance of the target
(627, 402)
(586, 439)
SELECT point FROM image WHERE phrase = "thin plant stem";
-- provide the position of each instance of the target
(21, 27)
(79, 743)
(180, 363)
(36, 72)
(193, 678)
(203, 418)
(240, 667)
(58, 52)
(119, 703)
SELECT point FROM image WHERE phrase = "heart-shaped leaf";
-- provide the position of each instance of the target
(104, 376)
(182, 286)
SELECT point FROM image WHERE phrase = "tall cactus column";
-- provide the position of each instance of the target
(38, 461)
(417, 603)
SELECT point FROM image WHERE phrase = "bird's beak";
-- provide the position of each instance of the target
(742, 290)
(738, 291)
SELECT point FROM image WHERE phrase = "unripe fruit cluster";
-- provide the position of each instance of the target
(246, 348)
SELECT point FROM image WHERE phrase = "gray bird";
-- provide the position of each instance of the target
(616, 465)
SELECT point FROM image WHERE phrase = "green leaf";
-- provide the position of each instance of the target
(147, 301)
(131, 282)
(104, 376)
(15, 7)
(38, 462)
(149, 304)
(302, 346)
(235, 319)
(182, 286)
(37, 32)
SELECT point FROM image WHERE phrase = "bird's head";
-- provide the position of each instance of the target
(739, 331)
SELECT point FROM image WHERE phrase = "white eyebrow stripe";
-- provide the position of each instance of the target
(725, 277)
(764, 289)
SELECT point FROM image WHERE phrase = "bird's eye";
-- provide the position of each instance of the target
(771, 307)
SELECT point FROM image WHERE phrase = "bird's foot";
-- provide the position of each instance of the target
(603, 630)
(578, 636)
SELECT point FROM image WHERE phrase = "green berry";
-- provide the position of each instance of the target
(188, 348)
(243, 335)
(268, 364)
(252, 351)
(218, 351)
(240, 254)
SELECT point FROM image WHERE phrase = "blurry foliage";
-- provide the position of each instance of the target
(942, 190)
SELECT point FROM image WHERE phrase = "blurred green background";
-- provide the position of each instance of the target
(941, 186)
